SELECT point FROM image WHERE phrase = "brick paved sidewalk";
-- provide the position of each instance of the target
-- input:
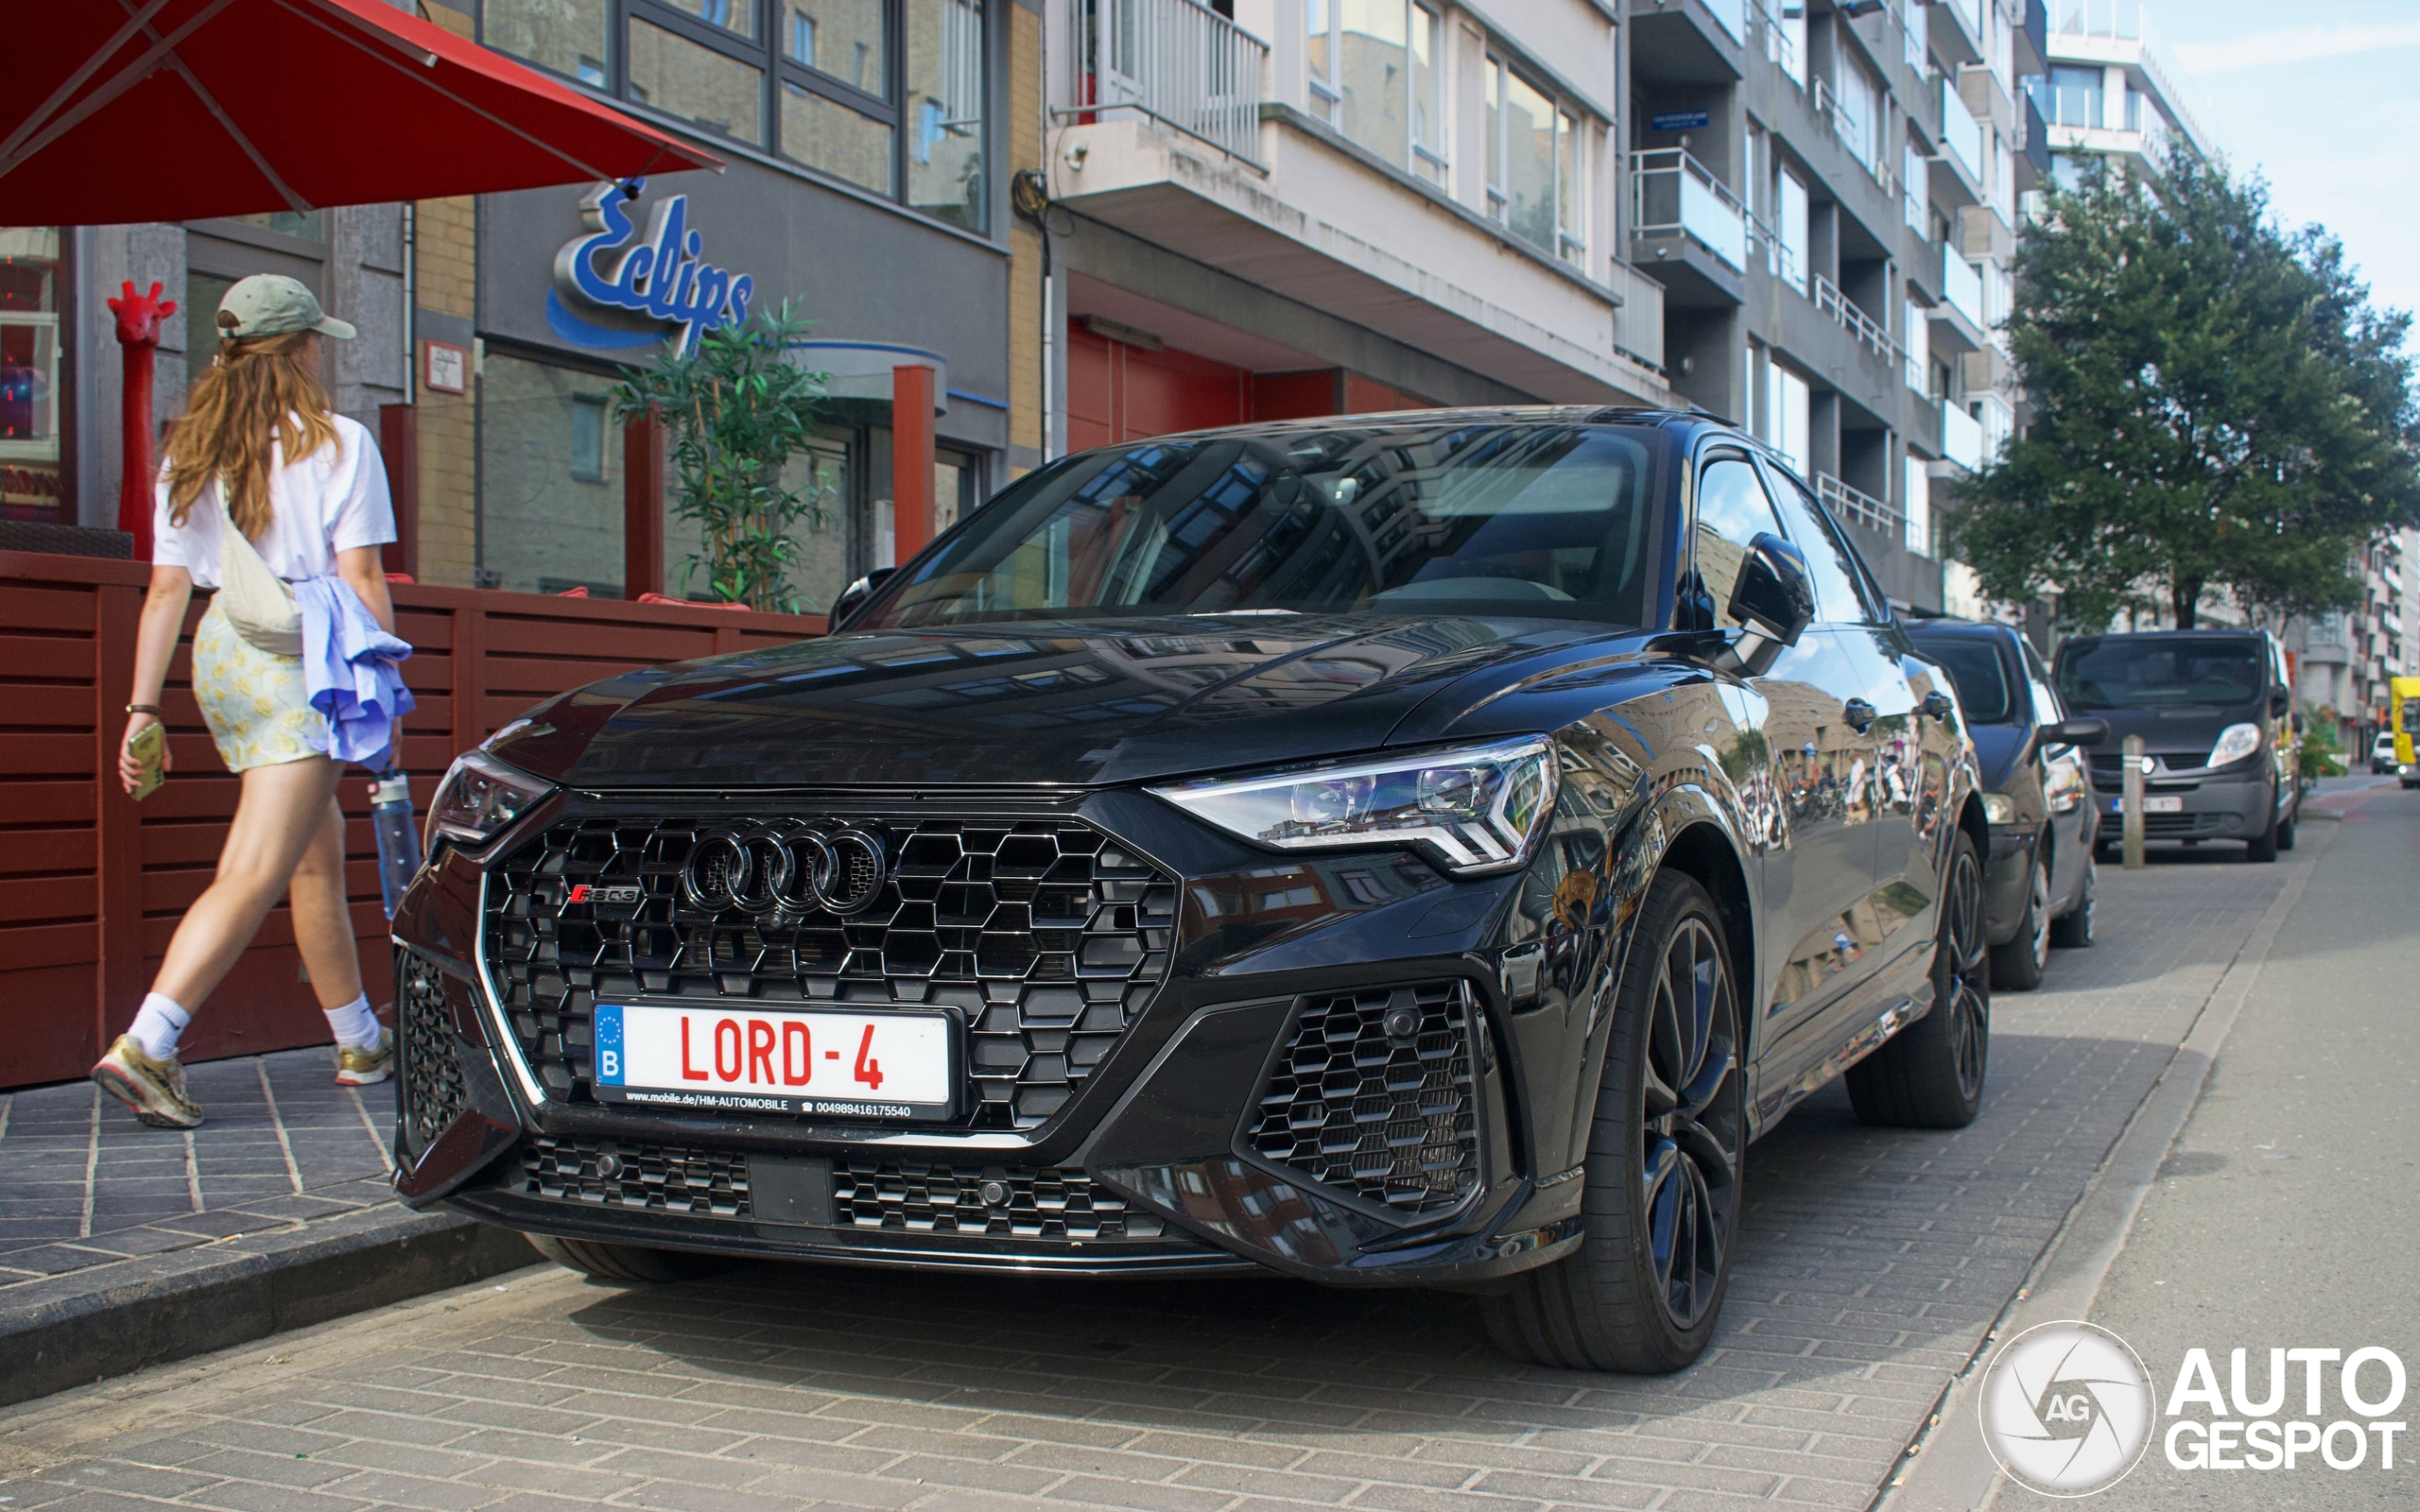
(83, 1184)
(1873, 1261)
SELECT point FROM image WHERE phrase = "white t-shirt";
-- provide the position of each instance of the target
(333, 500)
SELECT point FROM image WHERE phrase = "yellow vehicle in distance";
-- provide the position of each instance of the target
(2404, 718)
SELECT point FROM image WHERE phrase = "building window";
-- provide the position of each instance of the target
(1535, 165)
(588, 437)
(1790, 227)
(2069, 97)
(886, 94)
(1376, 77)
(33, 471)
(1859, 111)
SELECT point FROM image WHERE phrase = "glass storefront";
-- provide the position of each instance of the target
(550, 479)
(34, 480)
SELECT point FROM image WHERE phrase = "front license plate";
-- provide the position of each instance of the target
(2151, 804)
(747, 1060)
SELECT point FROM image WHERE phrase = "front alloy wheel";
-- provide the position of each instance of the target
(1663, 1180)
(1931, 1074)
(2018, 966)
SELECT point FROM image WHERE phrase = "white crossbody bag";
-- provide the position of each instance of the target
(257, 603)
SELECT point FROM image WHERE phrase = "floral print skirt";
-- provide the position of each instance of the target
(253, 700)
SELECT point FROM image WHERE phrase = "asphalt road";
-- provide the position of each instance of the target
(1872, 1264)
(2288, 1213)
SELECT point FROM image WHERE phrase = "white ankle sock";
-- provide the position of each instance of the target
(356, 1026)
(157, 1024)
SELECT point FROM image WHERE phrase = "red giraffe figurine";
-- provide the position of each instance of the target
(138, 333)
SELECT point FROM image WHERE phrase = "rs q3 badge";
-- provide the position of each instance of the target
(582, 893)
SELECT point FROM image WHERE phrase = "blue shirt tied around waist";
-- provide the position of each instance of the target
(349, 670)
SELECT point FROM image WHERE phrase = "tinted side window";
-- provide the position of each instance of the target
(1837, 598)
(1731, 509)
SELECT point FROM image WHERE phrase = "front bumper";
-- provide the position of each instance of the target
(2232, 807)
(1244, 1120)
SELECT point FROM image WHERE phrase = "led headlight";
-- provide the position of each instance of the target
(1998, 808)
(478, 799)
(1474, 808)
(2236, 741)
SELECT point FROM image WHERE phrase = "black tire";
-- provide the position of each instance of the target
(1931, 1074)
(1668, 1179)
(629, 1263)
(2072, 929)
(2018, 966)
(2286, 830)
(2263, 847)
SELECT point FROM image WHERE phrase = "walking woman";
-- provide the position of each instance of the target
(261, 446)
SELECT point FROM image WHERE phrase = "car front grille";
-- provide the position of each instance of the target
(2179, 826)
(1387, 1117)
(2109, 766)
(913, 1197)
(430, 1071)
(664, 1178)
(1047, 936)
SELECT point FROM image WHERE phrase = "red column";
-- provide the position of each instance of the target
(399, 447)
(911, 461)
(643, 505)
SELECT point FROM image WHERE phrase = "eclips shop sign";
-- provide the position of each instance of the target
(615, 288)
(2069, 1410)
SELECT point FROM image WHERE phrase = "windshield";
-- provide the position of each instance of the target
(1974, 666)
(1528, 519)
(2123, 672)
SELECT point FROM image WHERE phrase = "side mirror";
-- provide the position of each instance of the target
(854, 599)
(2076, 733)
(1773, 600)
(2300, 724)
(2278, 702)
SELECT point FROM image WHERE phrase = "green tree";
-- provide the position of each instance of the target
(2216, 406)
(734, 411)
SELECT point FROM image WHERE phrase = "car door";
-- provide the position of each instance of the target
(2067, 787)
(1815, 880)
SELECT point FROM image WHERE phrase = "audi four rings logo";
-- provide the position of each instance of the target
(769, 870)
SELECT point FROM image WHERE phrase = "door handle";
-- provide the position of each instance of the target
(1859, 714)
(1937, 704)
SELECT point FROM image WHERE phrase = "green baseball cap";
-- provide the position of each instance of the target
(271, 304)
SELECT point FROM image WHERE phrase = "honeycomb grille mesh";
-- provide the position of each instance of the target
(1046, 934)
(1385, 1117)
(662, 1178)
(928, 1198)
(433, 1092)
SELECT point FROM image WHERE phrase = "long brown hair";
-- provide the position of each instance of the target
(259, 390)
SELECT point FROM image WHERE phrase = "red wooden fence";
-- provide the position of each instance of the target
(92, 884)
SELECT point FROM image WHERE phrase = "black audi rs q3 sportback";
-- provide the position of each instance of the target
(1418, 850)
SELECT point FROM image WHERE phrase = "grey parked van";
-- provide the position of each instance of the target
(2215, 709)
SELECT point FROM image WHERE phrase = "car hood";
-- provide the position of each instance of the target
(1997, 749)
(1075, 702)
(2185, 732)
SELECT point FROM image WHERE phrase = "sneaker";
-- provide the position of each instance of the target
(361, 1065)
(155, 1088)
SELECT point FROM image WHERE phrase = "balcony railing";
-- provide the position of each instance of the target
(1179, 62)
(1675, 195)
(1860, 508)
(1961, 132)
(1962, 284)
(1781, 50)
(1829, 300)
(2124, 21)
(1732, 14)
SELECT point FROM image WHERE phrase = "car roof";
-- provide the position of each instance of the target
(1679, 421)
(1962, 628)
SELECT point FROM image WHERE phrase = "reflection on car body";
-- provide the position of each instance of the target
(1419, 850)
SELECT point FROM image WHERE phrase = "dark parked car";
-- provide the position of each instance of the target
(1416, 850)
(2215, 708)
(2039, 876)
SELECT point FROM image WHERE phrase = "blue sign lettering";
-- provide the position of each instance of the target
(1678, 121)
(660, 275)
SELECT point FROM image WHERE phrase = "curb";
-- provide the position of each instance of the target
(114, 1319)
(1954, 1472)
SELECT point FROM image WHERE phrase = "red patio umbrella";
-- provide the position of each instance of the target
(174, 110)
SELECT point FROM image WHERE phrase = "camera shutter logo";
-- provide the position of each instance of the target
(2066, 1409)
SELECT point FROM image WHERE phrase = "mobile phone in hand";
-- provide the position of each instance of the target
(149, 746)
